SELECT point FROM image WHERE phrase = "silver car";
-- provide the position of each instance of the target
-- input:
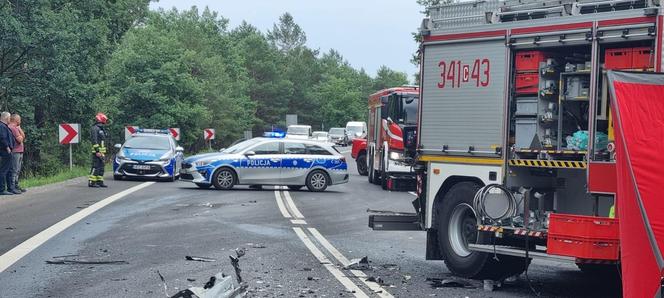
(268, 161)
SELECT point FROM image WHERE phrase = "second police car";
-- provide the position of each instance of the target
(148, 154)
(268, 161)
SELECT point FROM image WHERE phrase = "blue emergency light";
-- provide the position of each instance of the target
(153, 130)
(274, 134)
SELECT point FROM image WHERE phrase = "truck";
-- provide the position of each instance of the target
(515, 153)
(391, 136)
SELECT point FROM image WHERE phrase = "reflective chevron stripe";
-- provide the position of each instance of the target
(548, 163)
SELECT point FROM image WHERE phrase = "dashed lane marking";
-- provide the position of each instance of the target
(291, 205)
(343, 279)
(23, 249)
(280, 203)
(375, 287)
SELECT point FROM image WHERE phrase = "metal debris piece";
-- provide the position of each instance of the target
(191, 279)
(313, 278)
(219, 286)
(240, 252)
(199, 259)
(255, 245)
(306, 269)
(358, 264)
(10, 228)
(377, 280)
(79, 262)
(236, 265)
(390, 266)
(449, 283)
(406, 277)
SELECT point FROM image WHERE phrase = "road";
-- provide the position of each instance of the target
(296, 244)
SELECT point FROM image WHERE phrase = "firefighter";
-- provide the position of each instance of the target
(96, 178)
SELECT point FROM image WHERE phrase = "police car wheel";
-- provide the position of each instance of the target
(224, 178)
(317, 181)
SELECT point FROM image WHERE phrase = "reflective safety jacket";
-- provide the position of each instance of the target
(98, 135)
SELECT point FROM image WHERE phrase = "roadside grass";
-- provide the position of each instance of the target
(65, 174)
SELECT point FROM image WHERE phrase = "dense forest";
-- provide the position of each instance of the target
(62, 61)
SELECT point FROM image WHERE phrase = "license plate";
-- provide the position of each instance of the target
(141, 167)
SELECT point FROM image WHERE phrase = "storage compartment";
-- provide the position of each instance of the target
(526, 106)
(525, 132)
(529, 60)
(583, 226)
(527, 83)
(584, 248)
(618, 58)
(577, 87)
(642, 58)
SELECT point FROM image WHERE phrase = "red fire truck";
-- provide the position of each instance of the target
(391, 136)
(515, 153)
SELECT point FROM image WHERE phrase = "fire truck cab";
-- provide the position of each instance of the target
(391, 136)
(515, 154)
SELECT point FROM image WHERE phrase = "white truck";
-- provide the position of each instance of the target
(515, 154)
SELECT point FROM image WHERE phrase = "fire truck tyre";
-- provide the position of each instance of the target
(317, 181)
(295, 187)
(608, 271)
(362, 165)
(224, 178)
(203, 185)
(457, 227)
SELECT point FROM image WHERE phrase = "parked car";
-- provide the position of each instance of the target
(320, 136)
(356, 129)
(148, 155)
(337, 135)
(300, 132)
(269, 161)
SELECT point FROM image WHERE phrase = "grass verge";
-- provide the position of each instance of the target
(63, 175)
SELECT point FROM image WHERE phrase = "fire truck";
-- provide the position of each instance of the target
(515, 152)
(391, 136)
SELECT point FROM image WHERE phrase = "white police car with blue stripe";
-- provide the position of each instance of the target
(268, 161)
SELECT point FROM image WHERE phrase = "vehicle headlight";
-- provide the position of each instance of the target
(204, 162)
(396, 155)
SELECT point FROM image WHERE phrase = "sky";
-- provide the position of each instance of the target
(368, 33)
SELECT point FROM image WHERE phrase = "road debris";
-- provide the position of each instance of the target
(191, 279)
(306, 269)
(358, 264)
(313, 278)
(199, 259)
(65, 256)
(390, 266)
(449, 283)
(81, 262)
(377, 280)
(10, 228)
(256, 245)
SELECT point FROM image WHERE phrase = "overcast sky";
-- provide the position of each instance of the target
(368, 33)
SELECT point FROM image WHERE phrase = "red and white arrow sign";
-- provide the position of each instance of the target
(130, 131)
(208, 134)
(69, 133)
(175, 132)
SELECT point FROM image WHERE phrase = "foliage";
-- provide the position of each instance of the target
(63, 60)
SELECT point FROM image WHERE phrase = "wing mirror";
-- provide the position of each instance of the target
(117, 146)
(179, 149)
(249, 153)
(389, 120)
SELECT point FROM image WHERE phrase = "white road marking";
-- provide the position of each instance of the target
(343, 279)
(298, 221)
(291, 205)
(378, 290)
(280, 203)
(413, 193)
(23, 249)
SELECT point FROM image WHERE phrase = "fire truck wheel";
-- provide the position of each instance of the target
(457, 227)
(362, 165)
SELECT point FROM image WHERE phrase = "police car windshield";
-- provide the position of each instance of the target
(240, 146)
(337, 131)
(148, 142)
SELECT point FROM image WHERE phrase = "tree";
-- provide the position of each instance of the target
(286, 35)
(387, 78)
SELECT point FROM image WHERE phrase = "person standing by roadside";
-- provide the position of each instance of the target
(6, 146)
(98, 136)
(17, 153)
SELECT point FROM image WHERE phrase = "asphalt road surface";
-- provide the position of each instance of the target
(296, 244)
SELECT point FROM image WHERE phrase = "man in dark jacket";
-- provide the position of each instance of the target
(6, 146)
(98, 136)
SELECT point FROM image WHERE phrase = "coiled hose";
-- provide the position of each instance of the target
(480, 200)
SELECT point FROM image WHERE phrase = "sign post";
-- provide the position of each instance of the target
(208, 135)
(69, 133)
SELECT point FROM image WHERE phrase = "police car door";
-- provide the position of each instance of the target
(295, 163)
(263, 166)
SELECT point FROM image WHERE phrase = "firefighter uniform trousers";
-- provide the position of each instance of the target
(97, 172)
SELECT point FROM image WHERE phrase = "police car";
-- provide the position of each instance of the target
(148, 155)
(268, 161)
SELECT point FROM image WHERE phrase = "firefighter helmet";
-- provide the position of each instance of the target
(101, 118)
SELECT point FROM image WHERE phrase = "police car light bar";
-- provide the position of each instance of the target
(153, 130)
(274, 134)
